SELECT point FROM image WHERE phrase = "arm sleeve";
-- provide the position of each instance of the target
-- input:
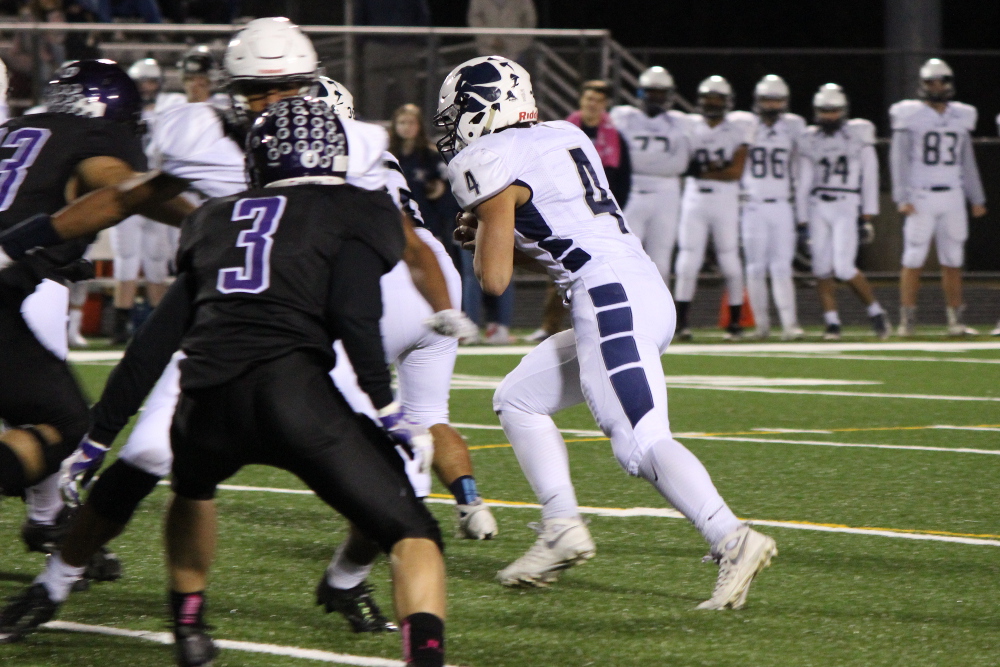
(972, 184)
(899, 166)
(869, 181)
(354, 309)
(145, 359)
(803, 187)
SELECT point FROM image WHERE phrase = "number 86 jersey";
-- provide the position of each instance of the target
(572, 222)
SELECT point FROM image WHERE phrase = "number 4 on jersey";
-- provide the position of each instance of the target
(598, 199)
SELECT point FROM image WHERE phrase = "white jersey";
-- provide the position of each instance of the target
(717, 145)
(933, 151)
(768, 171)
(572, 223)
(399, 189)
(658, 146)
(840, 163)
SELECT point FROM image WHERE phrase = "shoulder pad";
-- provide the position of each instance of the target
(966, 113)
(622, 111)
(796, 122)
(900, 113)
(861, 129)
(741, 117)
(186, 129)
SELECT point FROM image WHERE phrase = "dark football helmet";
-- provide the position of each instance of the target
(198, 60)
(96, 89)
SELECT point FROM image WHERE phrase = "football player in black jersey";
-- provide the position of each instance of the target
(269, 296)
(89, 139)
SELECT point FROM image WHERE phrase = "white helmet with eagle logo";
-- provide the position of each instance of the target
(481, 96)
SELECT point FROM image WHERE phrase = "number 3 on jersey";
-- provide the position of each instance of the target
(255, 275)
(29, 142)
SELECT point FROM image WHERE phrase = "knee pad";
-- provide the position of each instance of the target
(119, 490)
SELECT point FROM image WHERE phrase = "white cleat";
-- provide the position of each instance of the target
(561, 544)
(741, 557)
(996, 332)
(475, 521)
(793, 333)
(76, 340)
(958, 329)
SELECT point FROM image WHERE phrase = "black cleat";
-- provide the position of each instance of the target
(103, 566)
(356, 605)
(25, 612)
(880, 325)
(193, 647)
(832, 332)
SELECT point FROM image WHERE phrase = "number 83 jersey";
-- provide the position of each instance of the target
(572, 222)
(936, 146)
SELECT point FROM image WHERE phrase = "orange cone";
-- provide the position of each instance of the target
(746, 314)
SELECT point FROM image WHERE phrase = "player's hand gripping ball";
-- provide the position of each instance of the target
(466, 225)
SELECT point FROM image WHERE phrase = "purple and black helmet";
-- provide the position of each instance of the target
(96, 89)
(297, 140)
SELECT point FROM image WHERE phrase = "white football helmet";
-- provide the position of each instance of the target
(771, 87)
(335, 95)
(656, 77)
(830, 97)
(481, 96)
(936, 69)
(715, 85)
(147, 68)
(4, 82)
(268, 53)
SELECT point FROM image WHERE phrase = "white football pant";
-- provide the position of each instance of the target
(709, 209)
(833, 234)
(139, 242)
(653, 212)
(940, 216)
(769, 248)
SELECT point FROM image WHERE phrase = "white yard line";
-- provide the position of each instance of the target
(824, 443)
(228, 644)
(838, 357)
(851, 394)
(965, 428)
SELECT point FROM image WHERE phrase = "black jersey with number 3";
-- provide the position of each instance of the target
(39, 154)
(264, 272)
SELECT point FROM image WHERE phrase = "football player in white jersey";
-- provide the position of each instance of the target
(719, 144)
(659, 151)
(838, 181)
(767, 217)
(537, 191)
(934, 173)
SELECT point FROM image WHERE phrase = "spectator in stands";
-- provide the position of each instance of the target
(502, 14)
(107, 10)
(34, 57)
(592, 117)
(422, 165)
(391, 62)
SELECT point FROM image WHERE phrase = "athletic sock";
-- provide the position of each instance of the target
(75, 322)
(541, 452)
(187, 608)
(44, 501)
(875, 309)
(682, 314)
(783, 289)
(58, 577)
(682, 479)
(343, 573)
(735, 313)
(464, 489)
(423, 640)
(955, 315)
(831, 317)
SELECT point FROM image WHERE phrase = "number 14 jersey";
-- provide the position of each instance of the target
(572, 222)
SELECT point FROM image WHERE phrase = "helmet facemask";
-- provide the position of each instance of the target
(713, 105)
(827, 122)
(656, 100)
(940, 89)
(770, 108)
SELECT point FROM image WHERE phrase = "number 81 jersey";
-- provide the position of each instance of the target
(572, 222)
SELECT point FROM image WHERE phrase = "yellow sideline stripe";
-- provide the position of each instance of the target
(786, 432)
(773, 522)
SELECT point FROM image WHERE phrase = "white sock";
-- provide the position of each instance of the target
(343, 573)
(75, 322)
(783, 290)
(58, 578)
(681, 478)
(541, 452)
(757, 290)
(831, 317)
(875, 309)
(44, 501)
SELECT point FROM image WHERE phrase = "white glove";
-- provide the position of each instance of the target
(76, 474)
(453, 323)
(866, 232)
(410, 436)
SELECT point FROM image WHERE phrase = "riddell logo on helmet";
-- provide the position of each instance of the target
(527, 115)
(271, 71)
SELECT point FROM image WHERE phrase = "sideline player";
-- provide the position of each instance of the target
(934, 173)
(503, 169)
(767, 217)
(660, 152)
(711, 203)
(284, 366)
(838, 172)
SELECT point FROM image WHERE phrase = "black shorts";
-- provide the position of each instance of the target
(287, 413)
(37, 387)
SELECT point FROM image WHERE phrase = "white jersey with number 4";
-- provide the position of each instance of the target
(768, 171)
(657, 146)
(572, 222)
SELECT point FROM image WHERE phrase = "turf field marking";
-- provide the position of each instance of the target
(967, 428)
(849, 394)
(838, 357)
(954, 450)
(249, 647)
(817, 348)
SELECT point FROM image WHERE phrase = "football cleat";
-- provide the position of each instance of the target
(685, 334)
(832, 332)
(793, 333)
(996, 332)
(103, 566)
(741, 556)
(76, 340)
(734, 332)
(561, 544)
(907, 321)
(25, 612)
(880, 325)
(356, 605)
(958, 329)
(537, 336)
(193, 647)
(760, 334)
(475, 521)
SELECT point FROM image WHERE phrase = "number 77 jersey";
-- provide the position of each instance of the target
(572, 222)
